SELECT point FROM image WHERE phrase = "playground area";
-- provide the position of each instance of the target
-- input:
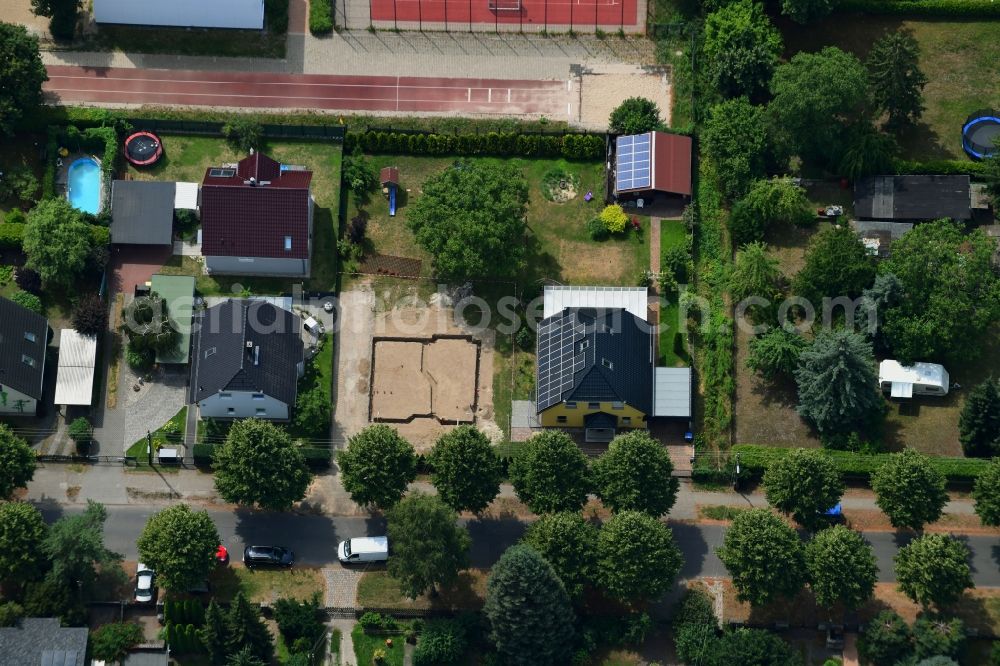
(552, 16)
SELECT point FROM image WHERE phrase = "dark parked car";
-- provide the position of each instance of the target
(274, 556)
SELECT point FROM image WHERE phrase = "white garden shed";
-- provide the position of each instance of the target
(905, 381)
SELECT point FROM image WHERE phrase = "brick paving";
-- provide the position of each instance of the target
(341, 587)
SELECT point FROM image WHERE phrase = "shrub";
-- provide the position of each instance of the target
(243, 133)
(90, 316)
(320, 17)
(203, 454)
(442, 643)
(29, 301)
(20, 184)
(139, 359)
(965, 9)
(27, 279)
(11, 235)
(597, 230)
(10, 613)
(614, 218)
(112, 641)
(372, 621)
(80, 431)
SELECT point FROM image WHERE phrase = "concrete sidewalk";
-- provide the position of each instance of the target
(475, 55)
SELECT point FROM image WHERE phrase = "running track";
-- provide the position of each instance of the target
(69, 84)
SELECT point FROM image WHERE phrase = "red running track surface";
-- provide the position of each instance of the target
(306, 91)
(583, 13)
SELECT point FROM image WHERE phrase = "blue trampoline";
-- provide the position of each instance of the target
(980, 134)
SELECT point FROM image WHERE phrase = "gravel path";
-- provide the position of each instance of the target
(155, 403)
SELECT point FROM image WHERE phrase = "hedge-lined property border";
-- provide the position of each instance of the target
(941, 167)
(754, 460)
(500, 144)
(943, 8)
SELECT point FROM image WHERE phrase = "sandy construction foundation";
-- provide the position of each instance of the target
(432, 378)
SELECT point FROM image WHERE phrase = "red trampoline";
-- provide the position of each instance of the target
(143, 149)
(535, 15)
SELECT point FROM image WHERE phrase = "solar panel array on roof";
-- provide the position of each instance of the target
(557, 358)
(221, 173)
(634, 162)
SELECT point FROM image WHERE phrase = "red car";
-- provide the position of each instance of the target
(222, 555)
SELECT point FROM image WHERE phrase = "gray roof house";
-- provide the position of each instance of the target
(596, 364)
(24, 337)
(142, 212)
(42, 641)
(247, 361)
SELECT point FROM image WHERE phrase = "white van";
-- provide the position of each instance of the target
(363, 549)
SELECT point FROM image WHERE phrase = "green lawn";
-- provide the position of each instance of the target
(319, 372)
(558, 245)
(365, 646)
(673, 350)
(265, 585)
(377, 589)
(960, 58)
(187, 157)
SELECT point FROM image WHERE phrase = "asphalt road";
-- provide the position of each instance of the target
(314, 539)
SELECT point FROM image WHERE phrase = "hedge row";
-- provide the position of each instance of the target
(946, 8)
(754, 460)
(942, 167)
(501, 144)
(12, 236)
(320, 17)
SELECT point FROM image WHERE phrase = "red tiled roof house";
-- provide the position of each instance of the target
(257, 219)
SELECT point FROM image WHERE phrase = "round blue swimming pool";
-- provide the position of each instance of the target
(83, 187)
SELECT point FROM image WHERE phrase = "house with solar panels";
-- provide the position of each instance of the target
(650, 168)
(597, 364)
(257, 218)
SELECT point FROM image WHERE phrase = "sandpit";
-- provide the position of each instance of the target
(419, 378)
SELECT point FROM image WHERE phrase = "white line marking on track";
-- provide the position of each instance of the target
(468, 94)
(211, 95)
(332, 84)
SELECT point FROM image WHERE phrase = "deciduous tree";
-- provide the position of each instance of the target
(636, 115)
(637, 557)
(735, 139)
(803, 484)
(986, 494)
(471, 219)
(768, 204)
(935, 636)
(979, 423)
(814, 96)
(377, 466)
(755, 274)
(949, 308)
(17, 461)
(569, 544)
(56, 242)
(763, 556)
(530, 617)
(776, 352)
(837, 385)
(841, 567)
(908, 490)
(636, 474)
(111, 642)
(886, 640)
(21, 75)
(895, 82)
(259, 465)
(741, 48)
(179, 545)
(550, 473)
(933, 570)
(75, 547)
(806, 11)
(466, 470)
(867, 151)
(90, 316)
(146, 322)
(836, 264)
(22, 532)
(429, 548)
